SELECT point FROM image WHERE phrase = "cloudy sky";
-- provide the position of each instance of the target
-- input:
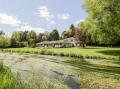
(39, 15)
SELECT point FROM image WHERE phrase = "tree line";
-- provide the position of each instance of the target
(30, 38)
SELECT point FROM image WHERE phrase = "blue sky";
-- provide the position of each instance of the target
(39, 15)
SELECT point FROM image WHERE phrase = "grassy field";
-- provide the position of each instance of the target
(91, 74)
(88, 52)
(97, 74)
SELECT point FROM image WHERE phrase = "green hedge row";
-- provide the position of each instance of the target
(46, 52)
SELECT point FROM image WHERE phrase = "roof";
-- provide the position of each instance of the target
(54, 42)
(60, 41)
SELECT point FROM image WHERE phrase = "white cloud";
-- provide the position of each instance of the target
(44, 13)
(9, 20)
(30, 28)
(64, 16)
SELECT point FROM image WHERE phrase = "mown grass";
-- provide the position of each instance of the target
(88, 52)
(97, 74)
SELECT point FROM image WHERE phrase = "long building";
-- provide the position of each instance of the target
(65, 43)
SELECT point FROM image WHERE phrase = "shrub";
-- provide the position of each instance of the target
(62, 54)
(42, 52)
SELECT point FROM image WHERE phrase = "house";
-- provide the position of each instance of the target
(65, 43)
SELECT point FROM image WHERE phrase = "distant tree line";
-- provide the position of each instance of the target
(30, 38)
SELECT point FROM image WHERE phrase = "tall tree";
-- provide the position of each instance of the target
(103, 20)
(69, 33)
(54, 35)
(16, 38)
(64, 35)
(31, 36)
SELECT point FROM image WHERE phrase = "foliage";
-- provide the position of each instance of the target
(69, 33)
(31, 38)
(103, 20)
(23, 39)
(54, 35)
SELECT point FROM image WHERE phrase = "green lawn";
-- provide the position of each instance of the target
(88, 52)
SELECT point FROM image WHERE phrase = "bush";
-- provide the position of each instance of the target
(62, 54)
(42, 52)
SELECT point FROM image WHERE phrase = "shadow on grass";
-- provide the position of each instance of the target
(92, 48)
(110, 52)
(84, 65)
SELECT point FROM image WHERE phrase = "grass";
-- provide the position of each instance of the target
(89, 52)
(8, 80)
(97, 74)
(90, 74)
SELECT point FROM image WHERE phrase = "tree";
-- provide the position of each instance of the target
(4, 41)
(31, 36)
(80, 34)
(77, 34)
(39, 37)
(64, 35)
(103, 20)
(54, 35)
(1, 32)
(44, 38)
(16, 39)
(25, 36)
(69, 33)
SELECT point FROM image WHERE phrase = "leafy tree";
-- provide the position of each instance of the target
(25, 36)
(1, 32)
(31, 36)
(16, 38)
(69, 33)
(44, 38)
(54, 35)
(3, 41)
(32, 43)
(103, 20)
(64, 35)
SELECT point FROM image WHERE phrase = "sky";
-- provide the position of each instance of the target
(40, 15)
